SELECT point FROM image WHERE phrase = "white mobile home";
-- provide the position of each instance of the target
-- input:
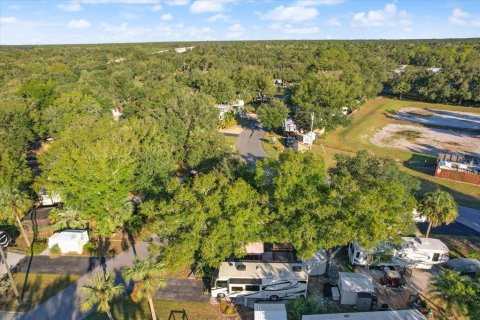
(420, 253)
(373, 315)
(260, 280)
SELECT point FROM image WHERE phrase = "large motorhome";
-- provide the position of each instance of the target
(260, 280)
(268, 271)
(420, 253)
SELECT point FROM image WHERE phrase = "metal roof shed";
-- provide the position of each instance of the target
(270, 311)
(352, 283)
(373, 315)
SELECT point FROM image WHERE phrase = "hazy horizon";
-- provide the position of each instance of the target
(140, 21)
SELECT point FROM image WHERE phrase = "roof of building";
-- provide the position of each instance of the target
(372, 315)
(270, 311)
(355, 282)
(425, 243)
(70, 235)
(261, 270)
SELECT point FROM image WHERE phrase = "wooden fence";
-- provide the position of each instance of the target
(458, 175)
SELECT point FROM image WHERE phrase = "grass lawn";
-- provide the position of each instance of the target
(273, 149)
(38, 288)
(231, 140)
(374, 115)
(125, 309)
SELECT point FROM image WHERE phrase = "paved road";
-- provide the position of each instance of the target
(249, 143)
(60, 265)
(469, 217)
(65, 304)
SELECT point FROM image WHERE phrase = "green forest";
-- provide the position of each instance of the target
(57, 132)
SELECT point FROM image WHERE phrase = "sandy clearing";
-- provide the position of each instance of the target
(235, 130)
(436, 117)
(429, 141)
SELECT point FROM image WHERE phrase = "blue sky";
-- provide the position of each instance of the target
(99, 21)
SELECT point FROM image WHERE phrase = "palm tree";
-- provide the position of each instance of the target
(460, 293)
(99, 291)
(147, 275)
(14, 201)
(439, 207)
(67, 218)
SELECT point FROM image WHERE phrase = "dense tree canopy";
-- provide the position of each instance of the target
(374, 199)
(169, 125)
(273, 114)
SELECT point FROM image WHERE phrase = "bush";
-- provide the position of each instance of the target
(55, 250)
(39, 246)
(90, 247)
(300, 306)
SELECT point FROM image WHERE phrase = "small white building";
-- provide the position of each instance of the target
(69, 241)
(401, 69)
(222, 109)
(117, 113)
(289, 125)
(434, 70)
(48, 198)
(351, 284)
(372, 315)
(270, 311)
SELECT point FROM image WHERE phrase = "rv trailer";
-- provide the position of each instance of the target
(419, 253)
(260, 280)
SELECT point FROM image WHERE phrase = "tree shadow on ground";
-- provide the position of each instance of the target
(421, 163)
(35, 290)
(123, 308)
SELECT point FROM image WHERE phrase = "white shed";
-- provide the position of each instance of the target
(351, 284)
(69, 240)
(270, 311)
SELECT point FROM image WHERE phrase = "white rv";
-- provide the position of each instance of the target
(420, 253)
(260, 280)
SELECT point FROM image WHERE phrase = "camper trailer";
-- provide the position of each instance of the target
(260, 280)
(420, 253)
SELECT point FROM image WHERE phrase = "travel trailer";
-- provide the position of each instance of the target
(420, 253)
(260, 280)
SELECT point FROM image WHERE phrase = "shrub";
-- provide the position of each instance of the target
(230, 310)
(55, 250)
(90, 247)
(39, 246)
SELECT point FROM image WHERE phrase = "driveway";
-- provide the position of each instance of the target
(183, 290)
(249, 143)
(60, 265)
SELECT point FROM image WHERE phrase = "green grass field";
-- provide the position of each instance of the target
(124, 308)
(373, 116)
